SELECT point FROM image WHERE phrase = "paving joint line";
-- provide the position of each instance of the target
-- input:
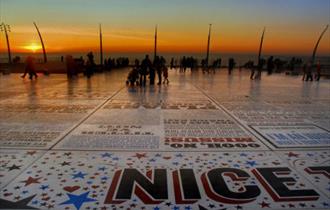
(63, 136)
(85, 118)
(233, 117)
(271, 150)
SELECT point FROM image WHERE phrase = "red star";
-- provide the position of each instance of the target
(291, 154)
(31, 180)
(140, 155)
(31, 152)
(133, 205)
(264, 204)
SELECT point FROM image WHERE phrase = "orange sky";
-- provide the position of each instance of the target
(236, 26)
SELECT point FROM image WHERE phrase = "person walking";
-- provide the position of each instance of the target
(145, 67)
(90, 65)
(270, 65)
(165, 74)
(158, 66)
(172, 63)
(231, 65)
(309, 75)
(30, 68)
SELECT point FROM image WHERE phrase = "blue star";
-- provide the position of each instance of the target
(43, 204)
(251, 163)
(156, 208)
(115, 158)
(107, 154)
(102, 168)
(158, 155)
(187, 208)
(43, 187)
(243, 154)
(325, 204)
(79, 175)
(236, 165)
(179, 155)
(152, 160)
(34, 202)
(176, 208)
(78, 200)
(104, 178)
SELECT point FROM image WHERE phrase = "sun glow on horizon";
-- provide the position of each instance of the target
(32, 47)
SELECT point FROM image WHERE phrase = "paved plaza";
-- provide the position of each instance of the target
(204, 141)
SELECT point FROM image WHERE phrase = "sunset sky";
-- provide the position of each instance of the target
(292, 26)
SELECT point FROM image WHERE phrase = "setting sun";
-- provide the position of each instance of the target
(32, 47)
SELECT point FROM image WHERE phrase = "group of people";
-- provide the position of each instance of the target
(138, 75)
(74, 66)
(270, 65)
(120, 62)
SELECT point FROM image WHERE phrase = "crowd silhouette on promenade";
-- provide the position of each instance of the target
(138, 75)
(149, 70)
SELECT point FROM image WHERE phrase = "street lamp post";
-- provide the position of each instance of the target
(208, 47)
(6, 28)
(42, 43)
(317, 44)
(101, 46)
(155, 45)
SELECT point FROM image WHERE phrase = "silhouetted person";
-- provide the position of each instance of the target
(219, 63)
(90, 65)
(165, 74)
(70, 66)
(252, 72)
(172, 63)
(304, 72)
(152, 75)
(30, 68)
(292, 63)
(203, 65)
(133, 75)
(318, 71)
(261, 63)
(162, 66)
(183, 65)
(270, 65)
(231, 65)
(309, 75)
(62, 58)
(157, 66)
(145, 67)
(105, 63)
